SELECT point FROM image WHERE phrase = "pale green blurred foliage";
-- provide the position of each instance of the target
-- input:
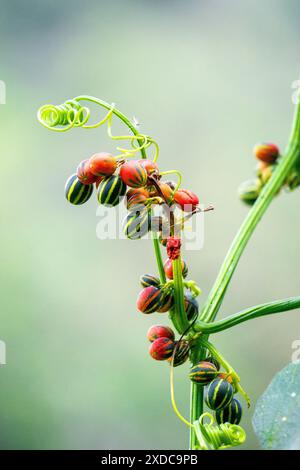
(207, 80)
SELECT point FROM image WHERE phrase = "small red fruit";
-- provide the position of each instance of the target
(103, 164)
(186, 199)
(84, 173)
(133, 174)
(267, 153)
(160, 331)
(161, 349)
(149, 299)
(168, 267)
(142, 191)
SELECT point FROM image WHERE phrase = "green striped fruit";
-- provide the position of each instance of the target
(230, 414)
(181, 353)
(111, 190)
(137, 224)
(76, 192)
(203, 373)
(147, 280)
(149, 299)
(219, 394)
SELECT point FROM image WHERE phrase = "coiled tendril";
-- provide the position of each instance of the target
(218, 437)
(72, 113)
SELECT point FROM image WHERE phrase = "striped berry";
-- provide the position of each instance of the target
(133, 174)
(84, 173)
(167, 302)
(147, 280)
(160, 331)
(203, 373)
(161, 349)
(219, 394)
(191, 307)
(149, 299)
(137, 224)
(181, 353)
(111, 190)
(149, 165)
(103, 164)
(76, 192)
(230, 414)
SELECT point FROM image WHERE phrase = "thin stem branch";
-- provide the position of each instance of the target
(248, 314)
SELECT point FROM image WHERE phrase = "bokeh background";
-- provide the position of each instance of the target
(208, 80)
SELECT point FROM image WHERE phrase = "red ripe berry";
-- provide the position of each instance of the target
(186, 199)
(267, 153)
(161, 349)
(103, 164)
(168, 267)
(160, 331)
(84, 173)
(133, 174)
(149, 299)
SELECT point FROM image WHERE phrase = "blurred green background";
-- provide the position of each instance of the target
(208, 80)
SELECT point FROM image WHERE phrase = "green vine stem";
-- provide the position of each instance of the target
(248, 314)
(215, 298)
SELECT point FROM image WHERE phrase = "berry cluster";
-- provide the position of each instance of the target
(219, 390)
(141, 182)
(268, 156)
(164, 347)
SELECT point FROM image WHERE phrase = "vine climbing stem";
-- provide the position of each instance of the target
(215, 298)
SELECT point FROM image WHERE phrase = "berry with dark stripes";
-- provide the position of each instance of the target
(103, 164)
(186, 199)
(84, 173)
(181, 353)
(76, 192)
(191, 307)
(111, 190)
(267, 153)
(161, 349)
(230, 414)
(219, 394)
(160, 331)
(150, 166)
(133, 174)
(137, 224)
(214, 361)
(149, 299)
(133, 191)
(203, 373)
(168, 268)
(148, 280)
(167, 303)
